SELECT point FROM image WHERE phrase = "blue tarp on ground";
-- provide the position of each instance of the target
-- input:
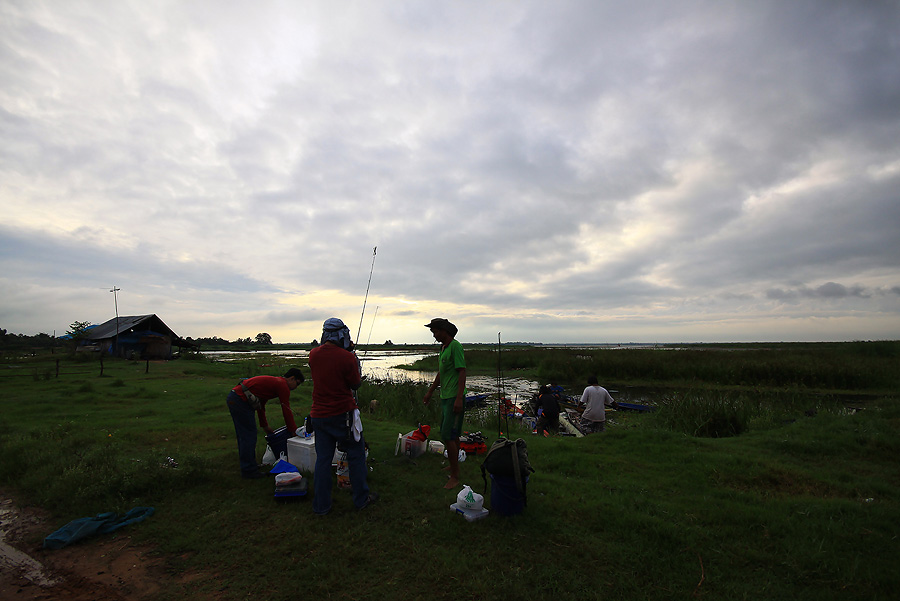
(102, 523)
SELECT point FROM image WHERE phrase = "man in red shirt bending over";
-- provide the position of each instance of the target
(250, 397)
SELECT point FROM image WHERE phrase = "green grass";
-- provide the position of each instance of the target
(795, 506)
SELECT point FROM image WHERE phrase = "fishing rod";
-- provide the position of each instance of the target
(500, 395)
(367, 294)
(372, 327)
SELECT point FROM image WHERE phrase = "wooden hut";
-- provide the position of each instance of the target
(135, 336)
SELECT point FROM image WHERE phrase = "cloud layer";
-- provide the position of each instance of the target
(558, 172)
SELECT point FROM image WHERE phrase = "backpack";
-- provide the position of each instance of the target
(509, 459)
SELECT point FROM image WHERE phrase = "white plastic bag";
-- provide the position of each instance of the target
(469, 499)
(269, 456)
(462, 455)
(287, 478)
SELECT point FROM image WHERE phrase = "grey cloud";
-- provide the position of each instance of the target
(829, 290)
(745, 147)
(298, 316)
(79, 261)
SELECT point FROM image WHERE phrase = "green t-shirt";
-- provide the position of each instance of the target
(450, 359)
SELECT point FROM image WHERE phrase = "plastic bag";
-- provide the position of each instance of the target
(287, 478)
(462, 455)
(469, 499)
(343, 472)
(421, 433)
(269, 456)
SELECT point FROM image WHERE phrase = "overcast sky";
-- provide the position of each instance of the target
(593, 171)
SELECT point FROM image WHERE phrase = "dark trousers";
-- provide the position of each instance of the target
(329, 432)
(244, 418)
(549, 423)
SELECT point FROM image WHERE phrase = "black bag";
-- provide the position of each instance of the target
(277, 441)
(509, 459)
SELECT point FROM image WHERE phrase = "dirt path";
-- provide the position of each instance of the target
(107, 568)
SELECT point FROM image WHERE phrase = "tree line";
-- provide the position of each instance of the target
(261, 339)
(78, 329)
(10, 341)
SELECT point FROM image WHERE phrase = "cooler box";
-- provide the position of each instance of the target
(470, 514)
(505, 497)
(409, 446)
(302, 453)
(277, 441)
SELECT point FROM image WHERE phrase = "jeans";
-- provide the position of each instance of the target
(244, 418)
(589, 427)
(329, 432)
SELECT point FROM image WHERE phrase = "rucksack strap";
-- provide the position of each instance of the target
(516, 470)
(513, 447)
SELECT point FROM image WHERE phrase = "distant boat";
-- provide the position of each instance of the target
(632, 407)
(476, 400)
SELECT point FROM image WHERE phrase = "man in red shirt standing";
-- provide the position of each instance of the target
(334, 415)
(249, 397)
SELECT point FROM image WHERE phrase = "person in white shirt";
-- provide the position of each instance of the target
(595, 399)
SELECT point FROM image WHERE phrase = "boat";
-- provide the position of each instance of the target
(476, 400)
(568, 419)
(632, 407)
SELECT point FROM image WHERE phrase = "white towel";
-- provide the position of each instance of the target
(357, 425)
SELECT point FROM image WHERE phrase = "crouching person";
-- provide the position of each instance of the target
(548, 405)
(334, 416)
(247, 401)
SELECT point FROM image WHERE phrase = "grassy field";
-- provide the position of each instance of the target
(802, 504)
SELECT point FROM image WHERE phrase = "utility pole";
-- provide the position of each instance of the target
(116, 301)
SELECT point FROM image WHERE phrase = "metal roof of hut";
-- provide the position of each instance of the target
(122, 324)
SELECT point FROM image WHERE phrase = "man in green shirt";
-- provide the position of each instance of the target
(451, 377)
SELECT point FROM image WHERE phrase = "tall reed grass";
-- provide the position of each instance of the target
(402, 400)
(718, 414)
(398, 399)
(837, 366)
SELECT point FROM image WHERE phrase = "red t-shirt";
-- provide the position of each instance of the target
(335, 375)
(269, 387)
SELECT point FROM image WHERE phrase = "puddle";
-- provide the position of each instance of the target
(11, 559)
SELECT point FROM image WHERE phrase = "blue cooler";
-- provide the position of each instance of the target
(277, 441)
(505, 497)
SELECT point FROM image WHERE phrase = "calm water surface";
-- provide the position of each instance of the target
(383, 365)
